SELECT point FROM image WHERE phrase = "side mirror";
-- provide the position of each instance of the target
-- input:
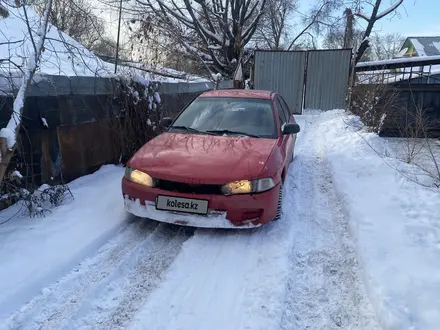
(166, 122)
(291, 129)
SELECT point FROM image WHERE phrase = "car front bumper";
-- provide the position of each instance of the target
(237, 211)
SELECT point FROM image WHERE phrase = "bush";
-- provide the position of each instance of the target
(141, 113)
(36, 202)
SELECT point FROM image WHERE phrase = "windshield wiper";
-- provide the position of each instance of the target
(190, 129)
(227, 131)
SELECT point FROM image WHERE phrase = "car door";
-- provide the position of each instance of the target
(289, 140)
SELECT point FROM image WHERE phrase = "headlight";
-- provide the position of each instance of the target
(248, 186)
(139, 177)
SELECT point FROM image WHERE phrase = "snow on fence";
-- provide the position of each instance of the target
(74, 125)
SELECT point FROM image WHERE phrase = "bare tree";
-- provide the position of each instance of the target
(77, 19)
(9, 134)
(3, 11)
(386, 46)
(368, 11)
(380, 109)
(274, 28)
(213, 31)
(312, 22)
(375, 15)
(335, 39)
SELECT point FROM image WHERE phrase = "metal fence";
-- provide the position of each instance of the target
(327, 79)
(283, 72)
(316, 79)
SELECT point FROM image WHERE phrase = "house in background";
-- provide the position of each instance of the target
(420, 46)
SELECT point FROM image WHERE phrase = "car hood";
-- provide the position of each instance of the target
(194, 158)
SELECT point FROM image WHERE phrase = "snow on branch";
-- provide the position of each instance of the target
(10, 132)
(374, 17)
(3, 11)
(389, 10)
(214, 31)
(362, 15)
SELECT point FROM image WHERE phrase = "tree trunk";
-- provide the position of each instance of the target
(365, 42)
(7, 148)
(6, 156)
(348, 37)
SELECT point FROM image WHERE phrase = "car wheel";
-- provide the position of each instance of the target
(280, 204)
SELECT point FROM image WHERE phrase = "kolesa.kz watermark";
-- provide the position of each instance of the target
(183, 205)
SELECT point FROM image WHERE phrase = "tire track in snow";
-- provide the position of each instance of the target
(212, 285)
(116, 301)
(61, 299)
(68, 298)
(324, 290)
(223, 280)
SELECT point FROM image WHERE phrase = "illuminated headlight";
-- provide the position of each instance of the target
(139, 177)
(248, 186)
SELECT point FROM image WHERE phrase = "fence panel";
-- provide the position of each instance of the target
(327, 79)
(282, 72)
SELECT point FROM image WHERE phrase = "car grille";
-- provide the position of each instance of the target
(202, 189)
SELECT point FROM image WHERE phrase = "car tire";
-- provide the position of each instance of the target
(280, 204)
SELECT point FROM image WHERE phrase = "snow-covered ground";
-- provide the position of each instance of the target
(35, 252)
(395, 223)
(358, 247)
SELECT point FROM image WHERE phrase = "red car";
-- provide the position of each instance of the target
(220, 164)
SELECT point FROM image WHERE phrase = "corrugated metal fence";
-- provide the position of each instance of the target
(327, 79)
(315, 79)
(282, 72)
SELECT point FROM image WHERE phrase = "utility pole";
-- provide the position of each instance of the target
(119, 33)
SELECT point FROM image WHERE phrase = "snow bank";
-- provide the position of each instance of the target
(402, 60)
(396, 224)
(36, 252)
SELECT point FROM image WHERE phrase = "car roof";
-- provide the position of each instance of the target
(244, 93)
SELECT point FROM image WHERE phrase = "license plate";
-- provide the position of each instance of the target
(185, 205)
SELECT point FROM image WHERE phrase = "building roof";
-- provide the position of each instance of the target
(424, 46)
(245, 93)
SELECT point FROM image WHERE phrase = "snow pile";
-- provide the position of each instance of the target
(162, 73)
(394, 220)
(34, 253)
(9, 135)
(403, 60)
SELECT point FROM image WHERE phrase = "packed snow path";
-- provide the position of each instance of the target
(298, 273)
(325, 290)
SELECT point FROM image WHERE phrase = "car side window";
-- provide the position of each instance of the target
(285, 108)
(284, 103)
(281, 113)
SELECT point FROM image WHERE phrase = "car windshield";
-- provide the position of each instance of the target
(230, 116)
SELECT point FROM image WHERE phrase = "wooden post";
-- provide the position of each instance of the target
(238, 76)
